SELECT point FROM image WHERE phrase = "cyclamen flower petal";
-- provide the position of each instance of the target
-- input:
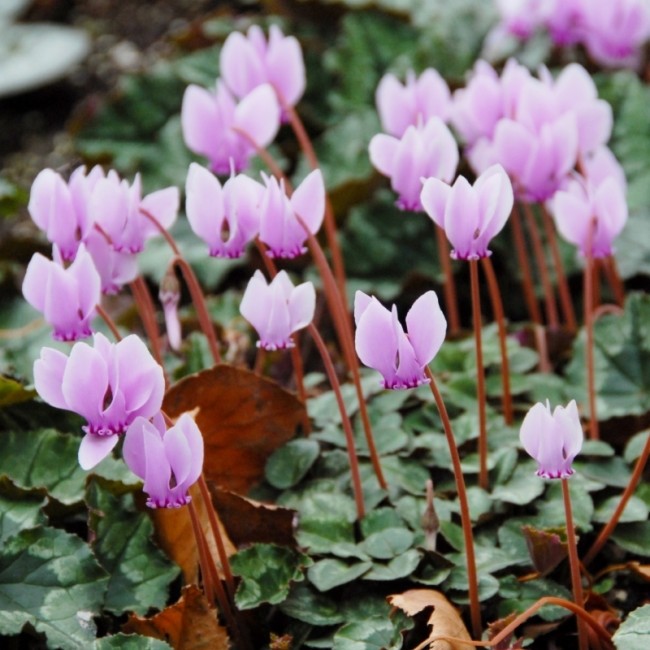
(249, 61)
(66, 297)
(413, 103)
(115, 268)
(278, 309)
(225, 132)
(552, 439)
(280, 228)
(470, 215)
(428, 151)
(169, 461)
(382, 343)
(109, 385)
(227, 217)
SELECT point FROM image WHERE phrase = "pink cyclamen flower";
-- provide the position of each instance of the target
(119, 210)
(470, 215)
(278, 309)
(413, 103)
(552, 439)
(249, 61)
(169, 461)
(60, 208)
(115, 268)
(382, 343)
(225, 132)
(109, 385)
(67, 297)
(591, 216)
(422, 152)
(280, 216)
(227, 217)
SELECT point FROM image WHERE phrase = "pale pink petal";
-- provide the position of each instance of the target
(361, 302)
(308, 200)
(204, 204)
(393, 107)
(256, 302)
(93, 449)
(462, 217)
(375, 340)
(382, 150)
(162, 204)
(426, 327)
(240, 65)
(199, 121)
(48, 377)
(286, 67)
(573, 215)
(534, 424)
(302, 304)
(434, 196)
(34, 284)
(258, 115)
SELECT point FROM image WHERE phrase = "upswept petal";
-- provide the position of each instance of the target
(308, 200)
(199, 121)
(361, 302)
(535, 422)
(258, 115)
(442, 150)
(392, 106)
(93, 449)
(410, 372)
(434, 196)
(49, 370)
(426, 326)
(89, 282)
(573, 214)
(162, 204)
(568, 420)
(285, 66)
(134, 451)
(204, 204)
(255, 305)
(179, 455)
(433, 96)
(382, 150)
(61, 308)
(157, 470)
(302, 304)
(240, 65)
(461, 218)
(34, 284)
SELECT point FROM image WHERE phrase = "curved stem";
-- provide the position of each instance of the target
(449, 287)
(499, 316)
(480, 377)
(202, 549)
(589, 330)
(345, 420)
(266, 157)
(538, 249)
(562, 284)
(524, 264)
(574, 563)
(604, 534)
(109, 321)
(346, 339)
(472, 579)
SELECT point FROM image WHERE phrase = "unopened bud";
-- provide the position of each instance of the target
(170, 295)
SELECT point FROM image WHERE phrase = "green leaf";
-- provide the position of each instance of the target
(305, 604)
(635, 445)
(634, 538)
(634, 632)
(140, 573)
(289, 464)
(551, 513)
(328, 573)
(518, 596)
(399, 567)
(522, 488)
(609, 471)
(488, 585)
(635, 510)
(267, 572)
(129, 642)
(621, 358)
(49, 578)
(375, 633)
(20, 513)
(388, 543)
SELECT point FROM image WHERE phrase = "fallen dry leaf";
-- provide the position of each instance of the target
(249, 522)
(189, 624)
(243, 418)
(175, 536)
(444, 619)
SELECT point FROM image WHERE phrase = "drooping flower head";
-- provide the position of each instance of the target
(169, 461)
(470, 215)
(278, 309)
(109, 385)
(224, 131)
(67, 297)
(400, 356)
(225, 217)
(413, 103)
(280, 228)
(249, 61)
(552, 439)
(422, 152)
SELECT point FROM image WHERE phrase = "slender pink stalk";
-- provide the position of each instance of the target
(589, 330)
(563, 286)
(109, 321)
(266, 157)
(466, 520)
(201, 547)
(524, 264)
(347, 426)
(449, 287)
(574, 563)
(499, 316)
(480, 377)
(538, 249)
(614, 279)
(604, 534)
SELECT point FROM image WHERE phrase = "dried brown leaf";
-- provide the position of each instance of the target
(444, 619)
(243, 418)
(189, 624)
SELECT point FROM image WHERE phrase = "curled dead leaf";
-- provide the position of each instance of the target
(444, 619)
(189, 624)
(243, 418)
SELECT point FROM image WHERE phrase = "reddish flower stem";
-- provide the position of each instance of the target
(589, 331)
(574, 563)
(345, 420)
(538, 249)
(449, 287)
(563, 286)
(202, 549)
(109, 321)
(614, 279)
(480, 377)
(604, 534)
(266, 157)
(466, 520)
(193, 286)
(346, 339)
(524, 264)
(499, 316)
